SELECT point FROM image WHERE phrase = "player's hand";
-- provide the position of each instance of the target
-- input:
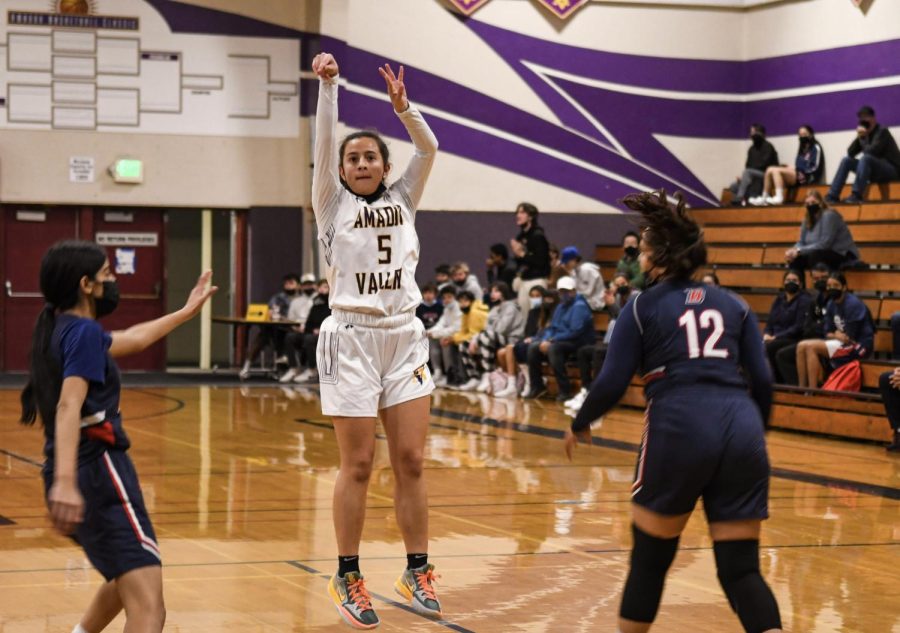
(325, 66)
(544, 347)
(842, 337)
(396, 89)
(790, 255)
(66, 506)
(200, 294)
(573, 438)
(895, 378)
(861, 131)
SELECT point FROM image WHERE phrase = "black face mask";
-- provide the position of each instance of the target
(309, 292)
(865, 124)
(791, 287)
(813, 209)
(290, 293)
(804, 141)
(109, 301)
(834, 293)
(465, 310)
(631, 251)
(757, 139)
(623, 291)
(820, 285)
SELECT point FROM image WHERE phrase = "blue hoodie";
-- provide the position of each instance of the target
(571, 323)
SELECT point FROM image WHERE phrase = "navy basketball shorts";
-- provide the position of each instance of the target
(703, 442)
(116, 533)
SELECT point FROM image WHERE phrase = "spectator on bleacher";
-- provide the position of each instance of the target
(543, 306)
(590, 357)
(786, 317)
(464, 279)
(430, 310)
(807, 170)
(445, 368)
(889, 385)
(710, 279)
(588, 278)
(499, 266)
(849, 334)
(629, 263)
(300, 343)
(505, 322)
(442, 276)
(557, 270)
(813, 326)
(895, 331)
(571, 328)
(532, 252)
(880, 160)
(474, 318)
(760, 157)
(279, 304)
(824, 237)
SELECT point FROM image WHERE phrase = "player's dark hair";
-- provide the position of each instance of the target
(530, 209)
(504, 289)
(448, 289)
(442, 269)
(465, 294)
(500, 249)
(671, 233)
(291, 277)
(375, 136)
(429, 287)
(62, 269)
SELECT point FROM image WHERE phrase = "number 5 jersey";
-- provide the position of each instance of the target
(371, 248)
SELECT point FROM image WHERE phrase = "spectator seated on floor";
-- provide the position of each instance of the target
(505, 323)
(279, 305)
(784, 326)
(588, 279)
(760, 157)
(813, 327)
(444, 358)
(430, 310)
(629, 264)
(880, 160)
(473, 321)
(301, 343)
(463, 279)
(809, 165)
(824, 237)
(849, 334)
(571, 328)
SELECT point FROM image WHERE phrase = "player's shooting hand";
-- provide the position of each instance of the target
(325, 66)
(66, 506)
(573, 438)
(200, 294)
(396, 89)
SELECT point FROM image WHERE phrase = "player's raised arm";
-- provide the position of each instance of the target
(325, 182)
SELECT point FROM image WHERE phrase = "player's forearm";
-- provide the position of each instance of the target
(141, 336)
(325, 161)
(66, 438)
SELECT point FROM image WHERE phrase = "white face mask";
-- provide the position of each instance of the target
(536, 302)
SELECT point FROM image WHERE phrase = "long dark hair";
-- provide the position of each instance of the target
(504, 289)
(672, 234)
(62, 269)
(548, 308)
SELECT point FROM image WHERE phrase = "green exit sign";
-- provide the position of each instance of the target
(128, 170)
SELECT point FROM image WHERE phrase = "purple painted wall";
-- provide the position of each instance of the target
(449, 236)
(276, 239)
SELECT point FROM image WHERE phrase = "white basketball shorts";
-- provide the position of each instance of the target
(368, 363)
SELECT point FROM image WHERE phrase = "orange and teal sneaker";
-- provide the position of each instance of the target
(417, 586)
(353, 601)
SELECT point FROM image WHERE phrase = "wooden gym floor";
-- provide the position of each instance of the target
(238, 482)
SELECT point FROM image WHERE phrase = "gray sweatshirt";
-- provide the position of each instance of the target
(589, 284)
(829, 234)
(506, 320)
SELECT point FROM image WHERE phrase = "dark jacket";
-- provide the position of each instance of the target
(572, 323)
(810, 164)
(762, 157)
(814, 321)
(879, 143)
(535, 264)
(532, 322)
(505, 273)
(786, 318)
(429, 315)
(853, 318)
(317, 314)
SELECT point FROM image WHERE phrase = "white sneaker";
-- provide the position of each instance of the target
(526, 384)
(281, 360)
(303, 376)
(509, 390)
(576, 402)
(775, 200)
(288, 376)
(470, 385)
(244, 374)
(757, 201)
(484, 384)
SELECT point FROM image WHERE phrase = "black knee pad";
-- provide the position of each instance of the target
(749, 595)
(651, 558)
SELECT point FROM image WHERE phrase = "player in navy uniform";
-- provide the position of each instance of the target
(704, 435)
(92, 489)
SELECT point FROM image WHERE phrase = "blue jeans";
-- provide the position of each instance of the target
(868, 169)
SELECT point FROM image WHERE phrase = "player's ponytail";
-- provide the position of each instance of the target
(673, 236)
(62, 270)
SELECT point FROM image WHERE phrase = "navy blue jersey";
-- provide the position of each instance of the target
(681, 333)
(81, 348)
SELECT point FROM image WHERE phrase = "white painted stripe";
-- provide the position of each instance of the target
(146, 542)
(681, 95)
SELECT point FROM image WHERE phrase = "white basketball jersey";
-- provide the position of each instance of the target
(371, 249)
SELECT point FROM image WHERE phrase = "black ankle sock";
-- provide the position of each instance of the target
(414, 561)
(347, 564)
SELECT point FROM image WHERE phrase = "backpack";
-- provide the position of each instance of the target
(847, 377)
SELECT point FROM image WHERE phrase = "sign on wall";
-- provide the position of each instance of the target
(81, 169)
(127, 239)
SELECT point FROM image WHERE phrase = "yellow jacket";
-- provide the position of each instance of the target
(472, 323)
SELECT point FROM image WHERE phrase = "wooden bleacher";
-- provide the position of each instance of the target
(746, 250)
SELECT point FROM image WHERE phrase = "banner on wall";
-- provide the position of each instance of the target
(468, 7)
(562, 8)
